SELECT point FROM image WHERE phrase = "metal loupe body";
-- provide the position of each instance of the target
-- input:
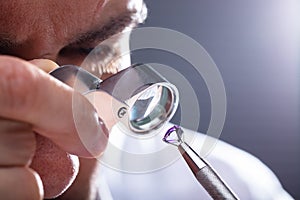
(144, 100)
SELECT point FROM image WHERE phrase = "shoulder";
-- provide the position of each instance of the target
(246, 174)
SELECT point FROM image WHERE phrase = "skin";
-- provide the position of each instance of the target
(36, 114)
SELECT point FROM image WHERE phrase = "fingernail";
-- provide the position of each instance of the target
(90, 127)
(44, 64)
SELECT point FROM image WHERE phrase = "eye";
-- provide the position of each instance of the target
(86, 51)
(100, 51)
(73, 55)
(95, 59)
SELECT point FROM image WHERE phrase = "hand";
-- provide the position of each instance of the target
(32, 102)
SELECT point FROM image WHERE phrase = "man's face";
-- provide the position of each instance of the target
(63, 31)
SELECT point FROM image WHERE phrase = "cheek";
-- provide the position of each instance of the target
(56, 168)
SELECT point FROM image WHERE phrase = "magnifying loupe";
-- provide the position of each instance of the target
(143, 99)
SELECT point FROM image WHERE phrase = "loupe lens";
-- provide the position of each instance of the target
(152, 107)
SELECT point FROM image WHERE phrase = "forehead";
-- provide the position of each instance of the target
(57, 20)
(22, 18)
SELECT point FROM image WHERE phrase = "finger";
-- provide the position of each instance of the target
(17, 143)
(25, 182)
(44, 64)
(28, 94)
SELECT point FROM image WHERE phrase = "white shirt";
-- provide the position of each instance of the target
(130, 170)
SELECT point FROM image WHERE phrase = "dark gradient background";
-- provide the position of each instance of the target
(256, 46)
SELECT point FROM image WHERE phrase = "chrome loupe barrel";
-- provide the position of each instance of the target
(144, 100)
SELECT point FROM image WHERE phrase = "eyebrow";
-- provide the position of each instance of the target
(112, 27)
